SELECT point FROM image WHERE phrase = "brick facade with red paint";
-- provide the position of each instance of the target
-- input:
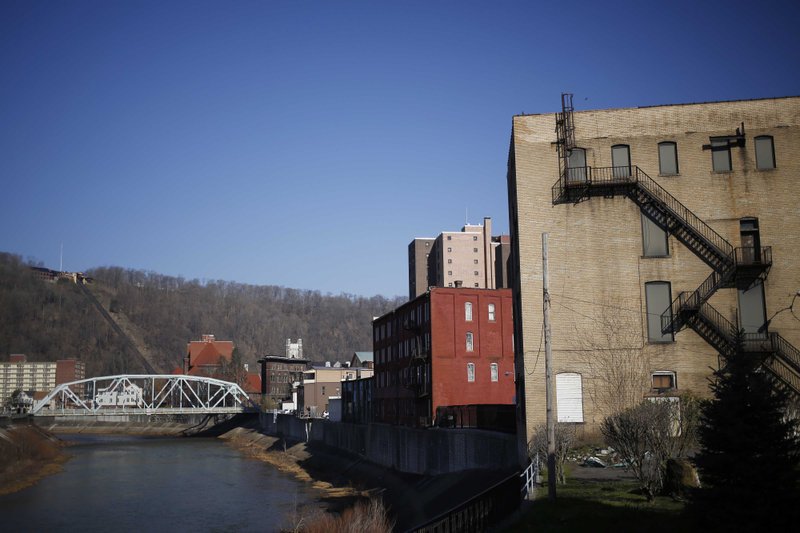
(423, 358)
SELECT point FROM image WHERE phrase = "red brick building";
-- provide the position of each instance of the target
(204, 357)
(448, 347)
(208, 357)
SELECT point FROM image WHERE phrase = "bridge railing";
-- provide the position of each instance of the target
(146, 394)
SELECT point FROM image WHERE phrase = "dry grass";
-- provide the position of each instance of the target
(29, 456)
(369, 516)
(248, 442)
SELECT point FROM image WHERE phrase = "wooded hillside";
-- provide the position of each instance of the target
(49, 321)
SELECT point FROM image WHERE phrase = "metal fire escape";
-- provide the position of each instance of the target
(739, 268)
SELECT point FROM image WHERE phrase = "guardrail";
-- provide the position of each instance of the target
(478, 513)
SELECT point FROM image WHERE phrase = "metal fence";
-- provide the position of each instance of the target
(479, 513)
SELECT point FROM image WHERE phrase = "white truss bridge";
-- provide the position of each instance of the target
(145, 394)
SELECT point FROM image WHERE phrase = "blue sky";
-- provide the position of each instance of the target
(305, 144)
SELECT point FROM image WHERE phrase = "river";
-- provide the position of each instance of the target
(126, 483)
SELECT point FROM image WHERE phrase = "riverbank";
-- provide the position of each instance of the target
(344, 479)
(28, 454)
(294, 459)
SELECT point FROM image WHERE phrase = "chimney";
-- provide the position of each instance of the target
(488, 259)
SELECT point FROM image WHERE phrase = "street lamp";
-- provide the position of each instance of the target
(765, 325)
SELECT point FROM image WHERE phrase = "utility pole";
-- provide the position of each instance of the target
(548, 371)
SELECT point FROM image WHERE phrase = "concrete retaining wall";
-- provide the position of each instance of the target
(430, 451)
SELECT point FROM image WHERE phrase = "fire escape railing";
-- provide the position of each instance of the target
(782, 358)
(608, 180)
(674, 318)
(732, 267)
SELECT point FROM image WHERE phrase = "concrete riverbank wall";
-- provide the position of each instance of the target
(430, 451)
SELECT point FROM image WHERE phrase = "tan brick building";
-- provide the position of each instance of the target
(643, 205)
(470, 258)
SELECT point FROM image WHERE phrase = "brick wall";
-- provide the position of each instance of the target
(595, 247)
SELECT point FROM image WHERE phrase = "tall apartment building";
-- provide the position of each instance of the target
(38, 377)
(670, 228)
(466, 258)
(448, 347)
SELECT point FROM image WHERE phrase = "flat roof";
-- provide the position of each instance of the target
(665, 105)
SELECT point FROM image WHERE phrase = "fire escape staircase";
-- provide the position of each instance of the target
(739, 268)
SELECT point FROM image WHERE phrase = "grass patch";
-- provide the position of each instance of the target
(589, 505)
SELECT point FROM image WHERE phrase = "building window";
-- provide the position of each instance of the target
(621, 160)
(477, 273)
(654, 239)
(468, 311)
(493, 369)
(765, 152)
(664, 381)
(449, 237)
(491, 312)
(477, 285)
(569, 397)
(469, 341)
(475, 261)
(667, 158)
(449, 249)
(658, 295)
(474, 237)
(475, 250)
(470, 372)
(720, 155)
(449, 272)
(576, 165)
(449, 261)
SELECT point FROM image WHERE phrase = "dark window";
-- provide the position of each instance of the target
(576, 164)
(658, 296)
(621, 160)
(667, 158)
(751, 242)
(720, 155)
(654, 239)
(752, 312)
(663, 380)
(765, 153)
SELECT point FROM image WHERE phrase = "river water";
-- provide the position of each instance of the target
(125, 483)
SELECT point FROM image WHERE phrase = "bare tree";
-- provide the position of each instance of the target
(565, 439)
(612, 352)
(648, 435)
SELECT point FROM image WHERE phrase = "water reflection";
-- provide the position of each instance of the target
(122, 483)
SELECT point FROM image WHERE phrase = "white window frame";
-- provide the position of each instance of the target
(495, 372)
(470, 342)
(569, 397)
(471, 372)
(491, 310)
(468, 311)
